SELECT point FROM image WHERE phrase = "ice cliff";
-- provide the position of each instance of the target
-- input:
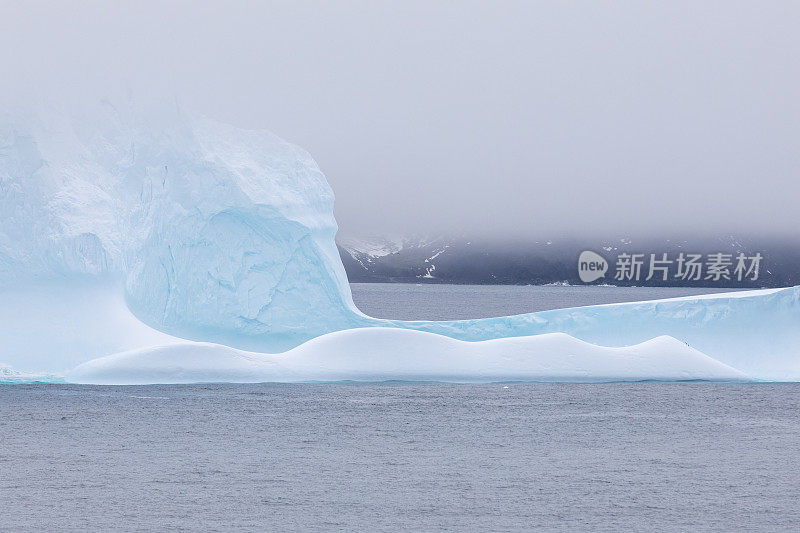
(123, 229)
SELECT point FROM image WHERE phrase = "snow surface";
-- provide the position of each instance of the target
(9, 375)
(375, 354)
(123, 229)
(53, 326)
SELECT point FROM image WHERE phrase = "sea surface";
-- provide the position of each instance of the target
(456, 302)
(405, 456)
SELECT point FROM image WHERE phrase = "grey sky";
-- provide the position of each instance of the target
(508, 118)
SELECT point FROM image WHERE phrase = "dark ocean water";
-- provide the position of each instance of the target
(405, 456)
(390, 457)
(456, 302)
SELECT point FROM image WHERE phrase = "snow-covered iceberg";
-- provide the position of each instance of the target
(378, 354)
(757, 332)
(121, 230)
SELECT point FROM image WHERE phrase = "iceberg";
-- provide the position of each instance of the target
(163, 236)
(208, 232)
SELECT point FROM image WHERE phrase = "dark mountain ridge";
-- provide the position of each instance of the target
(469, 261)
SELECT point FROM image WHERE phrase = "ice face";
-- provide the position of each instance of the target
(216, 233)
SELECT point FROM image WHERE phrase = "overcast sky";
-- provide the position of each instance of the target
(508, 118)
